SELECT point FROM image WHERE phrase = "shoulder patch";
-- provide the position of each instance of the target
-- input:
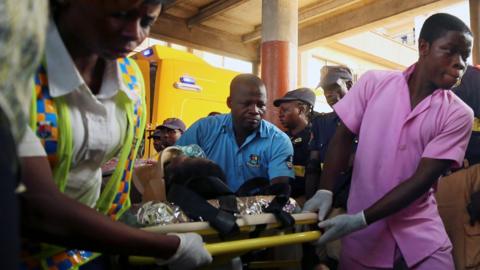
(289, 162)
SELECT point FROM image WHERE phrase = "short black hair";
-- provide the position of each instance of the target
(438, 24)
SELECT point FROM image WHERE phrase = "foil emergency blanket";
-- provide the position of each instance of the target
(163, 213)
(256, 205)
(160, 213)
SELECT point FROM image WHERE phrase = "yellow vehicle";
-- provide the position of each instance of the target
(180, 84)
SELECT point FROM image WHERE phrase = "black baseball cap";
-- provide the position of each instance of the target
(170, 123)
(303, 94)
(332, 74)
(173, 123)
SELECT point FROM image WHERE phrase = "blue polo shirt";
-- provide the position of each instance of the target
(266, 152)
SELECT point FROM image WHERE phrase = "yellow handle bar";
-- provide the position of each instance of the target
(245, 245)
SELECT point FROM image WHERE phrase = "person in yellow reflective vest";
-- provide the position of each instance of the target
(88, 107)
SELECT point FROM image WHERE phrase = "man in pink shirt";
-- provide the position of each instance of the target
(411, 130)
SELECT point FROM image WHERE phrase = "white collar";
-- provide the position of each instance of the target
(64, 78)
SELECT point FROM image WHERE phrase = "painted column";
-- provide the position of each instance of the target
(279, 50)
(475, 26)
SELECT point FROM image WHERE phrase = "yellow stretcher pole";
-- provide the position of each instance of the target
(261, 242)
(245, 245)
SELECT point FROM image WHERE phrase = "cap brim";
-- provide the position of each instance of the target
(277, 102)
(172, 127)
(168, 126)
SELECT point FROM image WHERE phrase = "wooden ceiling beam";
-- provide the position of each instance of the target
(314, 11)
(212, 10)
(253, 36)
(373, 15)
(172, 29)
(172, 4)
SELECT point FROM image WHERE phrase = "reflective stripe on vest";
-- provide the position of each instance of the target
(47, 116)
(129, 78)
(114, 199)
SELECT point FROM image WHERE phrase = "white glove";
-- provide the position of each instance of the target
(191, 253)
(321, 201)
(339, 226)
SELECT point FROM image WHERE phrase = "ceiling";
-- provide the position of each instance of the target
(233, 27)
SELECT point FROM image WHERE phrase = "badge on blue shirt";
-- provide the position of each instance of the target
(254, 161)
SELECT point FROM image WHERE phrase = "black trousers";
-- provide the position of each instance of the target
(9, 210)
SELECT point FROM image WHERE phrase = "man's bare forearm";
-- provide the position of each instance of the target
(427, 173)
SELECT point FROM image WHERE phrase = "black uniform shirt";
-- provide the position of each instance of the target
(301, 153)
(469, 92)
(323, 128)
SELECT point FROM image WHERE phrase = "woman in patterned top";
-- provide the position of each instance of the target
(84, 40)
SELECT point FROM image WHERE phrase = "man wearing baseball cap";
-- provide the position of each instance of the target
(295, 110)
(167, 133)
(295, 113)
(335, 82)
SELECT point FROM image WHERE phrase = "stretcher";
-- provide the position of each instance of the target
(236, 247)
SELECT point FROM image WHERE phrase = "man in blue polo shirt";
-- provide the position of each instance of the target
(241, 142)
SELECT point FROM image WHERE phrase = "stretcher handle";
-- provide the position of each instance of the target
(245, 223)
(261, 242)
(239, 246)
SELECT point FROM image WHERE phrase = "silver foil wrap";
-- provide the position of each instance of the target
(163, 213)
(160, 213)
(255, 205)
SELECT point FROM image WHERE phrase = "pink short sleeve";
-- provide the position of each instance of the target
(351, 108)
(452, 141)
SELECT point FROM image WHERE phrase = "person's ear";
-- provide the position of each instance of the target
(229, 102)
(301, 109)
(349, 84)
(423, 47)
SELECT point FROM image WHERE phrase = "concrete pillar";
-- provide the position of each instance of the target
(279, 50)
(475, 26)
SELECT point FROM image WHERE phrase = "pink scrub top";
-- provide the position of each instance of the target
(392, 140)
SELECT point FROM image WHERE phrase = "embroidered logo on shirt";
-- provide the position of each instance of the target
(298, 140)
(254, 161)
(289, 162)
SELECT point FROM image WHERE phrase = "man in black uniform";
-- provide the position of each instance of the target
(295, 113)
(458, 194)
(335, 82)
(295, 110)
